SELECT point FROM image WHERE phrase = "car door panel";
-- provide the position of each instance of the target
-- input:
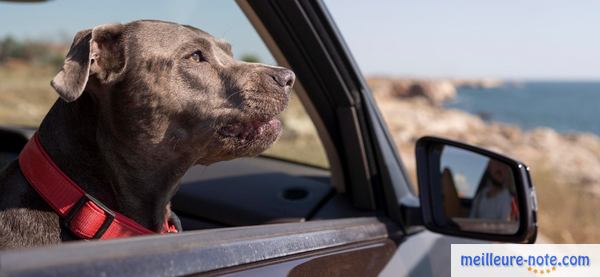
(196, 252)
(423, 254)
(356, 260)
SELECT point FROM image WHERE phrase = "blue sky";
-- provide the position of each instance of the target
(534, 39)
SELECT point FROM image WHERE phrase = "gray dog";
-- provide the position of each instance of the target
(140, 104)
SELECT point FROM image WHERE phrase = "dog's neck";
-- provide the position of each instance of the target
(74, 136)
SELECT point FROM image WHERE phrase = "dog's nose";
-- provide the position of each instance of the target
(284, 77)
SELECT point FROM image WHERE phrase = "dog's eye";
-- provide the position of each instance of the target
(197, 56)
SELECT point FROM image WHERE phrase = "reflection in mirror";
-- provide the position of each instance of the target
(478, 193)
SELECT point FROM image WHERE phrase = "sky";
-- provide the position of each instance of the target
(534, 39)
(61, 19)
(467, 169)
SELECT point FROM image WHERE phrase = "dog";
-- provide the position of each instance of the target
(139, 104)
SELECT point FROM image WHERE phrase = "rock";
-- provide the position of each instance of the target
(484, 83)
(435, 91)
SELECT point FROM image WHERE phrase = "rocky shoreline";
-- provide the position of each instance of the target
(413, 108)
(435, 91)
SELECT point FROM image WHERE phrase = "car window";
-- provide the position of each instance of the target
(495, 75)
(31, 53)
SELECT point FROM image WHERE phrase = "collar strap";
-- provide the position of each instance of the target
(84, 215)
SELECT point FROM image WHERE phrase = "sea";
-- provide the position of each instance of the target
(564, 106)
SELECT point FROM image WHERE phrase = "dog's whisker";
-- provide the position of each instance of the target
(233, 94)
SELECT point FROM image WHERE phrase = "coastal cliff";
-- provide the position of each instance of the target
(435, 91)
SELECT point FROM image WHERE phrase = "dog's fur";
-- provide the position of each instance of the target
(140, 104)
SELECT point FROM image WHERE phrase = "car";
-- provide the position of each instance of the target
(268, 216)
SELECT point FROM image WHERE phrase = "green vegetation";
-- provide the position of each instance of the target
(32, 52)
(250, 58)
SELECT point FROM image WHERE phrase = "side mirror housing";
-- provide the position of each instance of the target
(471, 192)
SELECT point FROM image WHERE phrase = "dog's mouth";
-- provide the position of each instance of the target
(252, 130)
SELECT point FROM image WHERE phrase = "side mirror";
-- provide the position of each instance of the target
(470, 192)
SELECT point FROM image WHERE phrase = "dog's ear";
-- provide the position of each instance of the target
(98, 52)
(107, 52)
(73, 76)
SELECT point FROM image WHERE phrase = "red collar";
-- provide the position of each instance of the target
(85, 216)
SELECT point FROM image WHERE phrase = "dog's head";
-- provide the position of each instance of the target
(172, 89)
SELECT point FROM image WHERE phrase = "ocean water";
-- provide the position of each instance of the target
(563, 106)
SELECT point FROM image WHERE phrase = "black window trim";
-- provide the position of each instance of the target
(302, 30)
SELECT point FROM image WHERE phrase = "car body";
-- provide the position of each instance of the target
(359, 218)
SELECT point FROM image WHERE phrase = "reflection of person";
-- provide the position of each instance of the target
(494, 200)
(450, 197)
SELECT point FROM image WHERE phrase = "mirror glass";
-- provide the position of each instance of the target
(478, 193)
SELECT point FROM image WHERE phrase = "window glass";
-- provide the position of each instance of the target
(35, 38)
(299, 140)
(519, 78)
